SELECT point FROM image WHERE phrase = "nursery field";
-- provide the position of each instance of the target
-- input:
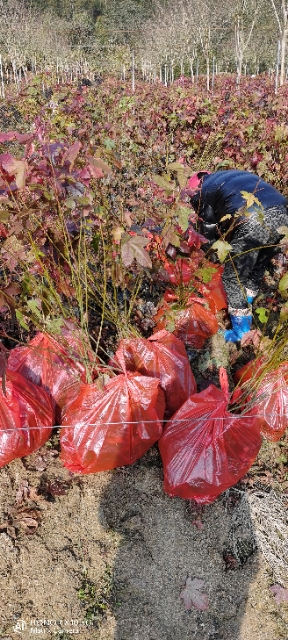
(144, 461)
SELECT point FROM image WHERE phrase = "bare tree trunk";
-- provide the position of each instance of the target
(283, 32)
(283, 55)
(208, 73)
(213, 72)
(239, 68)
(133, 72)
(277, 66)
(243, 37)
(191, 70)
(2, 79)
(15, 74)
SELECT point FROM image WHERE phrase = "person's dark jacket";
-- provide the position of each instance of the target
(220, 195)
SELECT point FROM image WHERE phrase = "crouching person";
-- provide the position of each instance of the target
(252, 232)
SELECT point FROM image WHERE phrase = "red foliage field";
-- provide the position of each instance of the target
(94, 225)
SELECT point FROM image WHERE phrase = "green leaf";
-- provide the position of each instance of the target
(33, 305)
(70, 203)
(176, 166)
(163, 183)
(260, 216)
(32, 91)
(283, 285)
(54, 325)
(222, 247)
(109, 144)
(170, 326)
(21, 320)
(182, 172)
(84, 200)
(205, 274)
(284, 312)
(62, 95)
(283, 459)
(183, 216)
(95, 242)
(224, 163)
(262, 314)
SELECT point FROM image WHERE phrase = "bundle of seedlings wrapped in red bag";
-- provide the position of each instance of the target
(149, 396)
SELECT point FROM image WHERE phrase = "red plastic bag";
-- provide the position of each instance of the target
(195, 324)
(192, 325)
(270, 401)
(214, 291)
(164, 357)
(56, 368)
(106, 429)
(249, 370)
(26, 418)
(204, 448)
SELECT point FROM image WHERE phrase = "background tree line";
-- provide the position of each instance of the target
(168, 38)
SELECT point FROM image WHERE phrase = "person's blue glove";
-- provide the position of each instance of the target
(241, 325)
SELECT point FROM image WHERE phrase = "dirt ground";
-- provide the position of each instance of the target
(108, 556)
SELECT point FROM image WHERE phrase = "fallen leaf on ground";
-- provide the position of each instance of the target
(280, 594)
(192, 596)
(26, 493)
(22, 492)
(230, 561)
(28, 524)
(198, 523)
(56, 487)
(40, 460)
(26, 519)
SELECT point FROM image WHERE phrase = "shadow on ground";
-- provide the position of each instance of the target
(164, 541)
(112, 554)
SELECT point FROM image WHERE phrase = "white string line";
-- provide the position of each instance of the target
(131, 422)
